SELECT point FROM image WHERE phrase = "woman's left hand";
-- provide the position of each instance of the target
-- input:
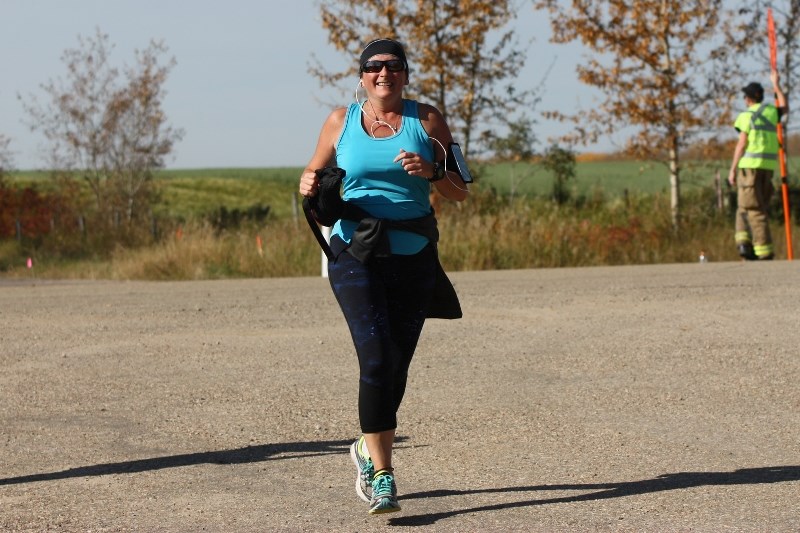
(414, 164)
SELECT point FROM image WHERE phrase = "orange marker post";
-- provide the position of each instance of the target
(773, 57)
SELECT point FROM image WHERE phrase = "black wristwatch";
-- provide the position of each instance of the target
(438, 171)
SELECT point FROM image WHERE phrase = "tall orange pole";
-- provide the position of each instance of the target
(773, 56)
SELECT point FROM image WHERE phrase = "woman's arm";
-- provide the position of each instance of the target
(325, 152)
(451, 187)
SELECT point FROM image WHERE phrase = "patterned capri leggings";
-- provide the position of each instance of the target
(384, 303)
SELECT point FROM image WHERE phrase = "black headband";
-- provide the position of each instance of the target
(383, 46)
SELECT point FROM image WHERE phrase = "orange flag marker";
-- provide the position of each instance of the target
(773, 57)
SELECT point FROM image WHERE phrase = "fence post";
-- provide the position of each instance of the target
(19, 230)
(295, 210)
(326, 232)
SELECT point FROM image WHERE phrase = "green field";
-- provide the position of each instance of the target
(613, 178)
(187, 193)
(190, 192)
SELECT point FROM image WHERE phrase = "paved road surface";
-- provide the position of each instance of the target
(647, 398)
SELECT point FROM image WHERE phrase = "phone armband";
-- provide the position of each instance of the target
(457, 163)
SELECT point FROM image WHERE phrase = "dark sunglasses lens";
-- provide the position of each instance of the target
(393, 65)
(372, 66)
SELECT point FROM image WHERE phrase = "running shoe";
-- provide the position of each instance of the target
(384, 494)
(365, 468)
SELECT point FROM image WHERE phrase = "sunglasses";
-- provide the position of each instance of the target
(392, 65)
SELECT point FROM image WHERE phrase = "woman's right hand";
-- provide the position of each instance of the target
(309, 183)
(324, 154)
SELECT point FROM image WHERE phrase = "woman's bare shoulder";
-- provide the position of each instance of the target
(430, 114)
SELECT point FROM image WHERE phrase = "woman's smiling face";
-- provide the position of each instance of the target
(385, 79)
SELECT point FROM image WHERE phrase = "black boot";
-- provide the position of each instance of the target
(746, 251)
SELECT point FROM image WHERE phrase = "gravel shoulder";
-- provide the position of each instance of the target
(636, 398)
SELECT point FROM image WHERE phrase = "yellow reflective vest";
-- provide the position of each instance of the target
(759, 122)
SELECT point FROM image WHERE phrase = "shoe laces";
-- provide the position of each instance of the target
(368, 472)
(382, 485)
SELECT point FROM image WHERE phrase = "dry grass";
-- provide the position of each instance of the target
(485, 233)
(278, 250)
(537, 234)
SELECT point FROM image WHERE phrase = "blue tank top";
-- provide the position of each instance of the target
(380, 186)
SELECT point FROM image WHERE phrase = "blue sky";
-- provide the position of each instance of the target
(241, 89)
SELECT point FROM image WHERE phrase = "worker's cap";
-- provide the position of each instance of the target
(754, 90)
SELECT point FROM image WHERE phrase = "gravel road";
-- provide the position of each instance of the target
(642, 398)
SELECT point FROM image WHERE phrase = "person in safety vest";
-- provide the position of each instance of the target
(754, 160)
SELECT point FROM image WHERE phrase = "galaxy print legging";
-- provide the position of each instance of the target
(384, 303)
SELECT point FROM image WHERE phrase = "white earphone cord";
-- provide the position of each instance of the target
(379, 122)
(376, 122)
(453, 183)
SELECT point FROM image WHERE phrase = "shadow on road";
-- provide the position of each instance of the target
(248, 454)
(681, 480)
(286, 450)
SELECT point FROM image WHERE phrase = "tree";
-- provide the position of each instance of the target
(787, 33)
(561, 162)
(516, 147)
(458, 63)
(669, 75)
(109, 128)
(6, 159)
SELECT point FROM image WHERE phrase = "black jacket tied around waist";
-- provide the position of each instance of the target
(370, 239)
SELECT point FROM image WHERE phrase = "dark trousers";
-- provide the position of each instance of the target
(755, 190)
(384, 303)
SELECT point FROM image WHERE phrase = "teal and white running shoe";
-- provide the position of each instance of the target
(365, 468)
(384, 494)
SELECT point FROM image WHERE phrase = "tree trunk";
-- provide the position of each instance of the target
(675, 185)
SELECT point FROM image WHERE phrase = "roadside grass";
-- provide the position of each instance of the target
(542, 234)
(619, 213)
(535, 234)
